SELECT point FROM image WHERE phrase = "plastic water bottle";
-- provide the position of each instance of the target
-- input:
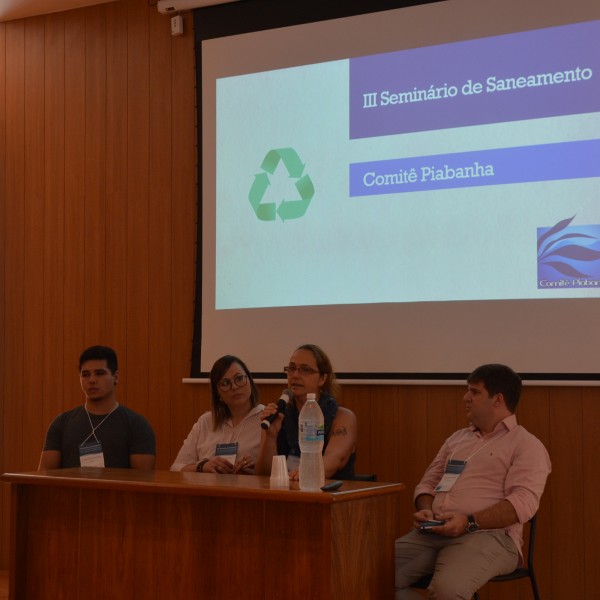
(311, 434)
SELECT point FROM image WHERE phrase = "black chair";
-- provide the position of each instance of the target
(369, 477)
(518, 573)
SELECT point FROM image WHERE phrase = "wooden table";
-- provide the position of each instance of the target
(92, 533)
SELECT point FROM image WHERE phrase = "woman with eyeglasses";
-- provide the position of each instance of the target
(226, 439)
(310, 371)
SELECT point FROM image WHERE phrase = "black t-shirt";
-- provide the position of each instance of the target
(123, 433)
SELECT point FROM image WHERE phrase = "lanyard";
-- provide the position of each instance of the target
(454, 468)
(466, 460)
(94, 429)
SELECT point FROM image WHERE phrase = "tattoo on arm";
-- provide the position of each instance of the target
(340, 431)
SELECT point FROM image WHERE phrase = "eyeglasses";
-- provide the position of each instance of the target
(302, 369)
(225, 384)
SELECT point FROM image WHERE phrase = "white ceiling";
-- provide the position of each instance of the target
(19, 9)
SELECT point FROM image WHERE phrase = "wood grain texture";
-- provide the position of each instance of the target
(125, 534)
(4, 499)
(50, 543)
(34, 230)
(52, 292)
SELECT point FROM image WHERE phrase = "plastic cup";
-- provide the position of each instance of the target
(279, 474)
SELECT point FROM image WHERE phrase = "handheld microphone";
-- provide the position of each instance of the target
(285, 397)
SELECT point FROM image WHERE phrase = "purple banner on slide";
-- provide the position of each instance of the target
(527, 75)
(545, 162)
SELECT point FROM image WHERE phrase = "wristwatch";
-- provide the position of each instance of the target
(472, 525)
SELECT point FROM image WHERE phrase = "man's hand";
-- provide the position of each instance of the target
(455, 525)
(425, 514)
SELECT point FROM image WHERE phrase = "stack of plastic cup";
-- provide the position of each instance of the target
(279, 473)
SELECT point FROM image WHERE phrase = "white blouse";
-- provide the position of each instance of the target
(202, 441)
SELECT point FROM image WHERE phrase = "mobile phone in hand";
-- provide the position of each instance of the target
(425, 525)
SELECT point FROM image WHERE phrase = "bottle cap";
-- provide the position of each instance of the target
(311, 396)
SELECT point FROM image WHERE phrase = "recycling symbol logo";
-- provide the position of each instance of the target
(287, 209)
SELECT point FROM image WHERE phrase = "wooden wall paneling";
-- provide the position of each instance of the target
(533, 411)
(97, 285)
(116, 189)
(54, 221)
(3, 118)
(267, 392)
(76, 227)
(138, 251)
(186, 402)
(201, 403)
(567, 483)
(34, 238)
(589, 517)
(4, 493)
(357, 399)
(413, 457)
(383, 428)
(14, 268)
(443, 406)
(160, 228)
(461, 409)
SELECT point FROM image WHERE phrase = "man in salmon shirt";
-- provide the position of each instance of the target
(484, 483)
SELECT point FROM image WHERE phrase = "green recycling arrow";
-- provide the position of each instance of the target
(294, 209)
(287, 209)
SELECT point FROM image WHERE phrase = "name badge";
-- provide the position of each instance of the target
(453, 470)
(228, 451)
(91, 455)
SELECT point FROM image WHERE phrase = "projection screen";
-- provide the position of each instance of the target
(416, 190)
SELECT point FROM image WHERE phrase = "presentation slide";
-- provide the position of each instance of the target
(503, 133)
(459, 177)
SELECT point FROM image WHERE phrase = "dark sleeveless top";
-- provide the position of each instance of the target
(287, 440)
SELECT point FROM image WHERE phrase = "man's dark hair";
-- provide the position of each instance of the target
(100, 353)
(499, 379)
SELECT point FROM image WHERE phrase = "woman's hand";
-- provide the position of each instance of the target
(244, 466)
(275, 427)
(218, 464)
